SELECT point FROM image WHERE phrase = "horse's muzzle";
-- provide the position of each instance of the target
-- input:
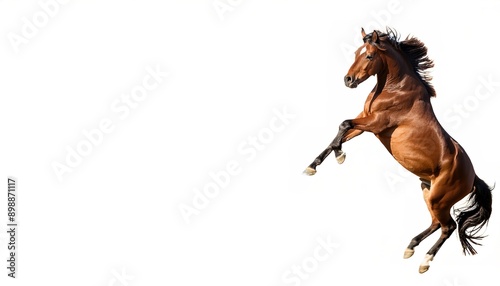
(350, 81)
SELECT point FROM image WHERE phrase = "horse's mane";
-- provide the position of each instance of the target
(416, 53)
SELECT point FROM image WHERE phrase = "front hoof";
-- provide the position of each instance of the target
(309, 171)
(408, 253)
(341, 157)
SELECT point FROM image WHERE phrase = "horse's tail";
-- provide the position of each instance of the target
(474, 216)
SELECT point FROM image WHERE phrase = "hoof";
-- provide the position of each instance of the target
(309, 171)
(408, 253)
(341, 157)
(424, 266)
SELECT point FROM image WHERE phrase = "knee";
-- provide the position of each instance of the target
(345, 125)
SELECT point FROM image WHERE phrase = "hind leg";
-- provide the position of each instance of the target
(448, 225)
(435, 225)
(440, 203)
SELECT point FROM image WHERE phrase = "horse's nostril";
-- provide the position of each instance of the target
(348, 79)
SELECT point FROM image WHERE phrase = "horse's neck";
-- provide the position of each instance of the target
(398, 75)
(397, 69)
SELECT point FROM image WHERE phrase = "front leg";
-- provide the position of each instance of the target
(347, 130)
(335, 146)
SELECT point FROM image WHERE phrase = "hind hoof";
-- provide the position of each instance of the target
(408, 253)
(309, 171)
(341, 157)
(424, 266)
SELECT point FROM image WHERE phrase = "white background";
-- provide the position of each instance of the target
(118, 210)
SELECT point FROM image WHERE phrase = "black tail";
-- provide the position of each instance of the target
(474, 216)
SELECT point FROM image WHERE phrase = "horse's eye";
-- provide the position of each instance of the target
(369, 57)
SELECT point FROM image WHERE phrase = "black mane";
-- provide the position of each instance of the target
(415, 51)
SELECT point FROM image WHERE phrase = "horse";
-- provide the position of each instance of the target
(399, 113)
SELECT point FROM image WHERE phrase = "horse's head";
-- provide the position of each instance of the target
(368, 60)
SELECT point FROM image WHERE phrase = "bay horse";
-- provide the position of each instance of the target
(399, 112)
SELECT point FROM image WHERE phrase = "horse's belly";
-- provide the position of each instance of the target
(413, 153)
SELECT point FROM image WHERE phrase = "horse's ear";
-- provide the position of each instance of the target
(376, 41)
(375, 38)
(363, 34)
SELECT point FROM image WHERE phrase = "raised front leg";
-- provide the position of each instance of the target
(335, 146)
(348, 130)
